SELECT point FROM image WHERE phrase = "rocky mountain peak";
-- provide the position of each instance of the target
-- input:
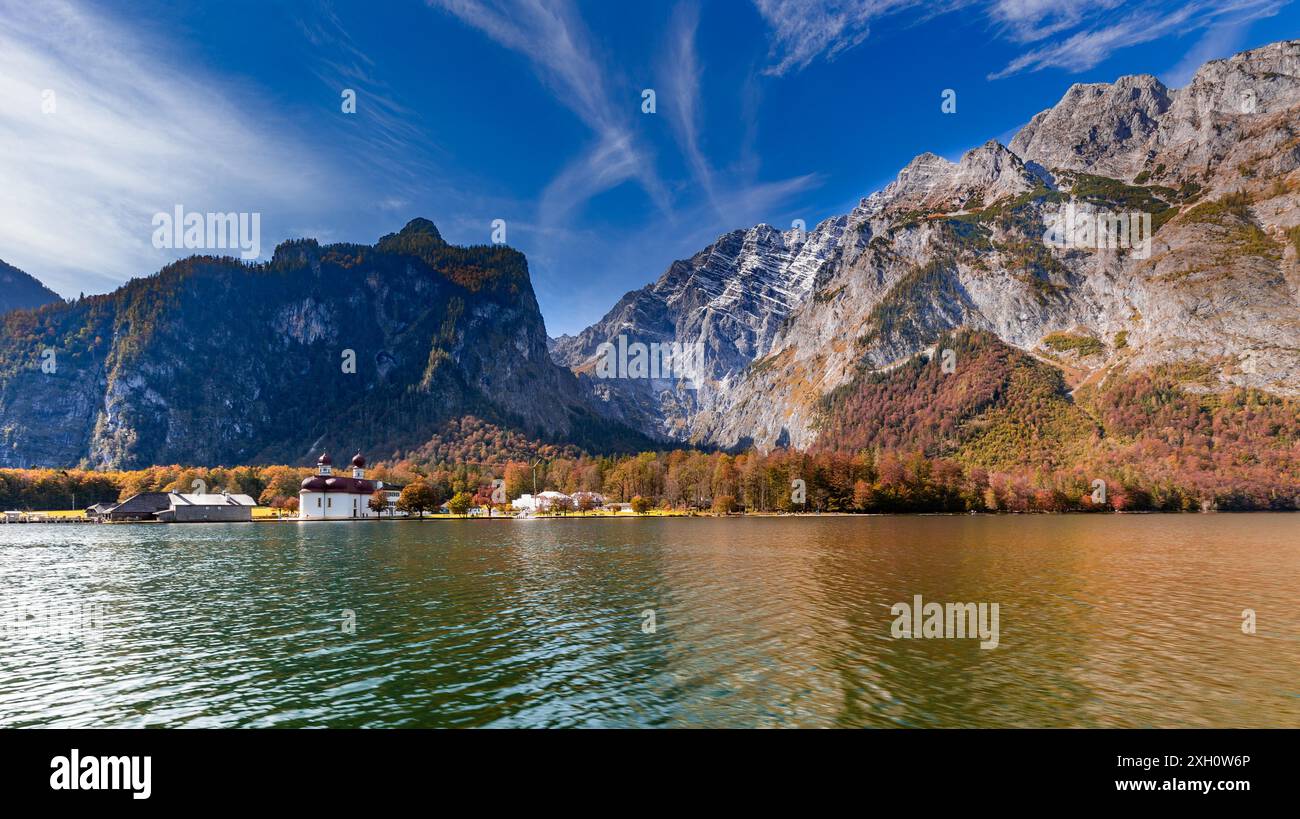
(1136, 124)
(419, 237)
(1222, 92)
(947, 244)
(420, 226)
(1101, 128)
(931, 183)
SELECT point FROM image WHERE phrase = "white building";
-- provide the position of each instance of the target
(541, 502)
(326, 496)
(596, 499)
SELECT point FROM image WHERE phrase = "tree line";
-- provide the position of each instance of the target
(869, 480)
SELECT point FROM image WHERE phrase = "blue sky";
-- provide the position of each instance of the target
(529, 111)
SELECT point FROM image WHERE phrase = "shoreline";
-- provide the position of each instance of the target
(65, 518)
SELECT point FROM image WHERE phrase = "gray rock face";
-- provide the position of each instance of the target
(1136, 124)
(932, 184)
(342, 347)
(730, 297)
(1102, 128)
(1214, 166)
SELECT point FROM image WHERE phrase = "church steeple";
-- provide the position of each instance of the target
(358, 467)
(325, 466)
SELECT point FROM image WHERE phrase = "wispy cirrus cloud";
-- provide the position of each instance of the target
(133, 132)
(1073, 35)
(552, 36)
(715, 199)
(392, 137)
(1218, 41)
(680, 72)
(1100, 33)
(735, 195)
(806, 30)
(1027, 21)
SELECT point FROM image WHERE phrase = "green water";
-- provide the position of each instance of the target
(1104, 621)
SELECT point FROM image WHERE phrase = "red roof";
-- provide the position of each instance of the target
(352, 486)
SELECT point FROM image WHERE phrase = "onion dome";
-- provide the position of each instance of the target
(313, 484)
(352, 486)
(358, 461)
(326, 460)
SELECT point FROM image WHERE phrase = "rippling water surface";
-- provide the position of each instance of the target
(1104, 621)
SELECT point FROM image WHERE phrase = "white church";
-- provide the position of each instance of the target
(326, 496)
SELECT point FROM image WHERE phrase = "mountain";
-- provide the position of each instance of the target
(732, 296)
(341, 347)
(21, 291)
(791, 325)
(966, 310)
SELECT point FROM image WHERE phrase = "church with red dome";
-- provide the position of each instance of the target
(326, 496)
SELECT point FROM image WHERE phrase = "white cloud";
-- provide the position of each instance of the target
(1073, 35)
(804, 30)
(679, 67)
(393, 139)
(1030, 20)
(133, 134)
(1219, 41)
(1102, 34)
(565, 253)
(550, 34)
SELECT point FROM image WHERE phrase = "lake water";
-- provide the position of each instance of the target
(1113, 620)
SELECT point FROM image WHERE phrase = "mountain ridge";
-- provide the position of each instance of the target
(340, 346)
(213, 360)
(948, 245)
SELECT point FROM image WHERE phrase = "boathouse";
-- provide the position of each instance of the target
(144, 506)
(223, 508)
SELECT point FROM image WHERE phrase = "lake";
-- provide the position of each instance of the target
(1115, 620)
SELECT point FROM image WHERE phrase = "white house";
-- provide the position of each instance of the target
(541, 502)
(596, 499)
(393, 493)
(326, 496)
